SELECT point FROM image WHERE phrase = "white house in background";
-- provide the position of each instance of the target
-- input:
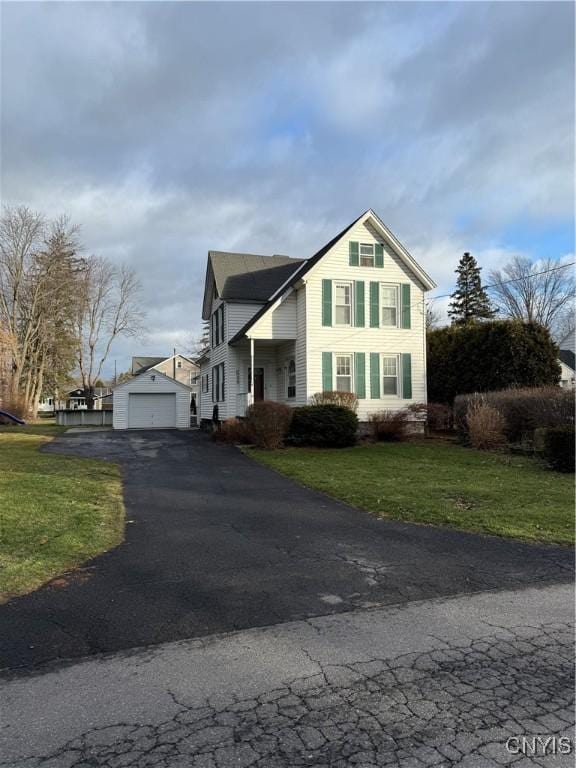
(151, 400)
(351, 318)
(567, 361)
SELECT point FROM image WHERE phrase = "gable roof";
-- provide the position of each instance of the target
(244, 276)
(141, 364)
(568, 358)
(155, 373)
(173, 357)
(308, 264)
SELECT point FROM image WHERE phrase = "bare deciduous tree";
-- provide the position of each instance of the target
(433, 316)
(21, 289)
(109, 308)
(536, 292)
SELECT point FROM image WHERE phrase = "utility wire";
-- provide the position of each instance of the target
(507, 282)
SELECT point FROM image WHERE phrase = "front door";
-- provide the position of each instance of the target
(258, 383)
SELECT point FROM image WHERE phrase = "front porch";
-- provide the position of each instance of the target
(263, 369)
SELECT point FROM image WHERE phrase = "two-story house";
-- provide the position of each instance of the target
(351, 318)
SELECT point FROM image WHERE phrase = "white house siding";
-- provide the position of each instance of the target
(238, 315)
(278, 323)
(567, 380)
(300, 347)
(347, 340)
(144, 384)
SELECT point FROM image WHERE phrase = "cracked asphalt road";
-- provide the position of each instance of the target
(217, 543)
(433, 683)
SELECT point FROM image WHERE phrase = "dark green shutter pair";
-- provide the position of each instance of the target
(358, 294)
(359, 373)
(405, 310)
(354, 254)
(375, 375)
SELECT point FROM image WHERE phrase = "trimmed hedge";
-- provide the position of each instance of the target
(559, 448)
(488, 356)
(324, 426)
(524, 410)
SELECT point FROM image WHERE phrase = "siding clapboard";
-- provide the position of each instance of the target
(349, 339)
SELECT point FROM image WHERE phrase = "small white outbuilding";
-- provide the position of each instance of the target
(151, 400)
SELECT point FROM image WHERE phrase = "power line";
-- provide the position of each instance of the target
(507, 282)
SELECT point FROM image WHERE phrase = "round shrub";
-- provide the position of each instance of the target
(325, 426)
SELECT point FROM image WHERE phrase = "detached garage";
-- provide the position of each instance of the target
(151, 401)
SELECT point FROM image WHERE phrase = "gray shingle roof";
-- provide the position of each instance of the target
(141, 364)
(248, 276)
(568, 358)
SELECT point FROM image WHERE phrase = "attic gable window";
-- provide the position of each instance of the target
(366, 254)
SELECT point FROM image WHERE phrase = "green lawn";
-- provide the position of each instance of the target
(440, 484)
(57, 512)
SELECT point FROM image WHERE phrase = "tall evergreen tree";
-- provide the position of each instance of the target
(469, 301)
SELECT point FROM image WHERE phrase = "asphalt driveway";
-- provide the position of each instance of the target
(215, 542)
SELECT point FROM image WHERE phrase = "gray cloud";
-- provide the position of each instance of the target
(170, 128)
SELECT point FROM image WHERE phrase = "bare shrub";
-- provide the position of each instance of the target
(524, 409)
(486, 426)
(16, 405)
(268, 423)
(389, 426)
(232, 431)
(332, 397)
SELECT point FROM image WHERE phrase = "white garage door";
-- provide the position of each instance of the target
(151, 411)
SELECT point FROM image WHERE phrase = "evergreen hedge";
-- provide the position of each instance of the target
(486, 356)
(325, 426)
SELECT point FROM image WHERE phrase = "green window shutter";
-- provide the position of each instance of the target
(379, 255)
(359, 308)
(407, 376)
(353, 254)
(374, 305)
(406, 310)
(326, 371)
(360, 374)
(326, 302)
(374, 375)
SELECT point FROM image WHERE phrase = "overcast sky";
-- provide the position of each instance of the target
(166, 129)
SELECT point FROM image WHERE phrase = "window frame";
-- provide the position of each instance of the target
(360, 255)
(289, 374)
(218, 334)
(336, 376)
(350, 286)
(382, 306)
(218, 383)
(396, 358)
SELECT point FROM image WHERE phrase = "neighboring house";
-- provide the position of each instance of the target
(568, 367)
(151, 400)
(73, 401)
(176, 367)
(349, 318)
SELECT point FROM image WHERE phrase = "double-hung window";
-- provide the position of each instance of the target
(291, 379)
(205, 382)
(218, 326)
(389, 305)
(343, 303)
(344, 373)
(390, 375)
(366, 254)
(218, 385)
